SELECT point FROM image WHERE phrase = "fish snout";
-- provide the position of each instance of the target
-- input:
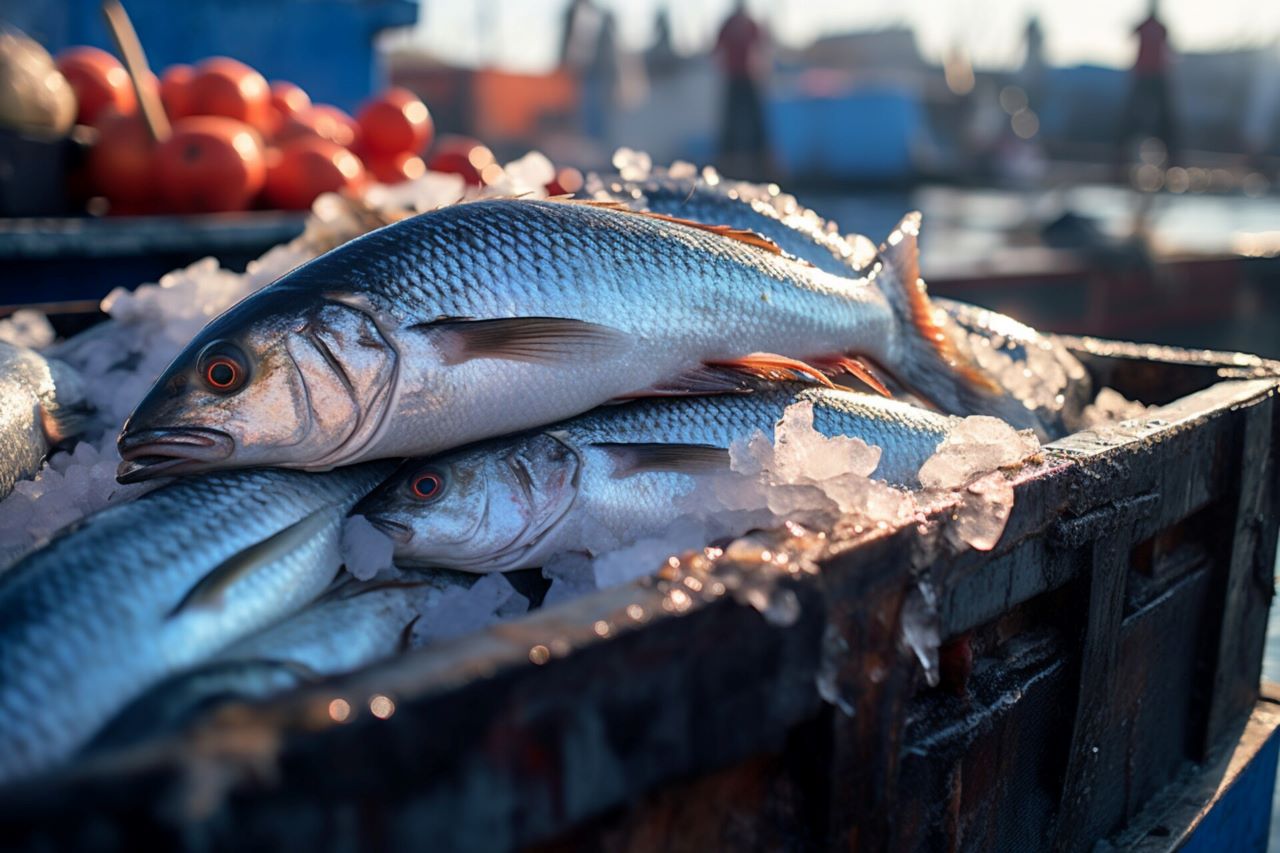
(152, 453)
(399, 533)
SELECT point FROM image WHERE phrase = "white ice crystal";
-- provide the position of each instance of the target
(26, 328)
(1111, 407)
(366, 550)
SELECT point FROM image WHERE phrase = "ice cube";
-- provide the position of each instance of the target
(464, 609)
(27, 328)
(976, 446)
(366, 550)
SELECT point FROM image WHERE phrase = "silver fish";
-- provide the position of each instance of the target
(489, 317)
(354, 625)
(42, 403)
(1048, 383)
(144, 589)
(616, 474)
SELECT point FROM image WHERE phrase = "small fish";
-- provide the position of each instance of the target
(144, 589)
(1044, 387)
(489, 317)
(42, 404)
(618, 472)
(352, 626)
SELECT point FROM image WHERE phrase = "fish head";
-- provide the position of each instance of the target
(483, 509)
(284, 378)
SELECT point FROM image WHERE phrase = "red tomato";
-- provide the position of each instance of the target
(122, 162)
(99, 81)
(210, 164)
(307, 167)
(395, 121)
(175, 91)
(322, 121)
(225, 87)
(394, 168)
(287, 100)
(463, 156)
(566, 182)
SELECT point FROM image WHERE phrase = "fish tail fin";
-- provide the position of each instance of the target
(932, 366)
(70, 412)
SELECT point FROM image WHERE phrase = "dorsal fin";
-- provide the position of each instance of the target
(751, 238)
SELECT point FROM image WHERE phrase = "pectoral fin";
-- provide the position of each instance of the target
(629, 459)
(211, 589)
(539, 340)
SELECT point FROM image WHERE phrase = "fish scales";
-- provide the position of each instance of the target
(613, 476)
(641, 303)
(105, 610)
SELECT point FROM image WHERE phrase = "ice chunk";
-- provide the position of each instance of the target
(983, 512)
(570, 574)
(527, 176)
(366, 550)
(977, 445)
(465, 608)
(26, 328)
(632, 165)
(1111, 407)
(920, 629)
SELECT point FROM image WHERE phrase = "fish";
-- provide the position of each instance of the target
(489, 317)
(352, 626)
(615, 475)
(1045, 386)
(139, 591)
(42, 405)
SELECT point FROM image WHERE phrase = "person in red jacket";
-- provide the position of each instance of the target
(1149, 110)
(741, 50)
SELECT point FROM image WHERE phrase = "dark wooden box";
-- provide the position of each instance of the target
(1112, 640)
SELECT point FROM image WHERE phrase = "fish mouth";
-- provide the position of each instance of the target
(398, 533)
(169, 450)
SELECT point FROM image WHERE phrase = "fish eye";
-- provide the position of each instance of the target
(222, 368)
(427, 485)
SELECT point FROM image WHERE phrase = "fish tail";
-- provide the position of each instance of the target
(932, 366)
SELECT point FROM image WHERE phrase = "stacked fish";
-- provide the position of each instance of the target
(479, 344)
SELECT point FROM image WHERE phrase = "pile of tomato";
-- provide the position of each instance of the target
(237, 142)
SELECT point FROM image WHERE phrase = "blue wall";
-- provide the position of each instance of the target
(325, 46)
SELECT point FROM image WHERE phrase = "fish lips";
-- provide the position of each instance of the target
(397, 532)
(170, 450)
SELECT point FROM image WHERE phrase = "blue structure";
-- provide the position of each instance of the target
(865, 134)
(325, 46)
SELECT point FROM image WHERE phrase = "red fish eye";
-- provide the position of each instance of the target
(222, 373)
(427, 485)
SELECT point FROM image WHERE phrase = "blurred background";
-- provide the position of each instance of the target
(1106, 166)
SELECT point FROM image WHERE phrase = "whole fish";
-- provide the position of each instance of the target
(615, 475)
(42, 404)
(1048, 383)
(489, 317)
(354, 625)
(144, 589)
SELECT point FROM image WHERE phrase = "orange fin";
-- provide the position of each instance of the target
(855, 367)
(742, 235)
(767, 365)
(902, 252)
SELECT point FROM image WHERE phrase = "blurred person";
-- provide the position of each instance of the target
(1149, 110)
(742, 53)
(589, 51)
